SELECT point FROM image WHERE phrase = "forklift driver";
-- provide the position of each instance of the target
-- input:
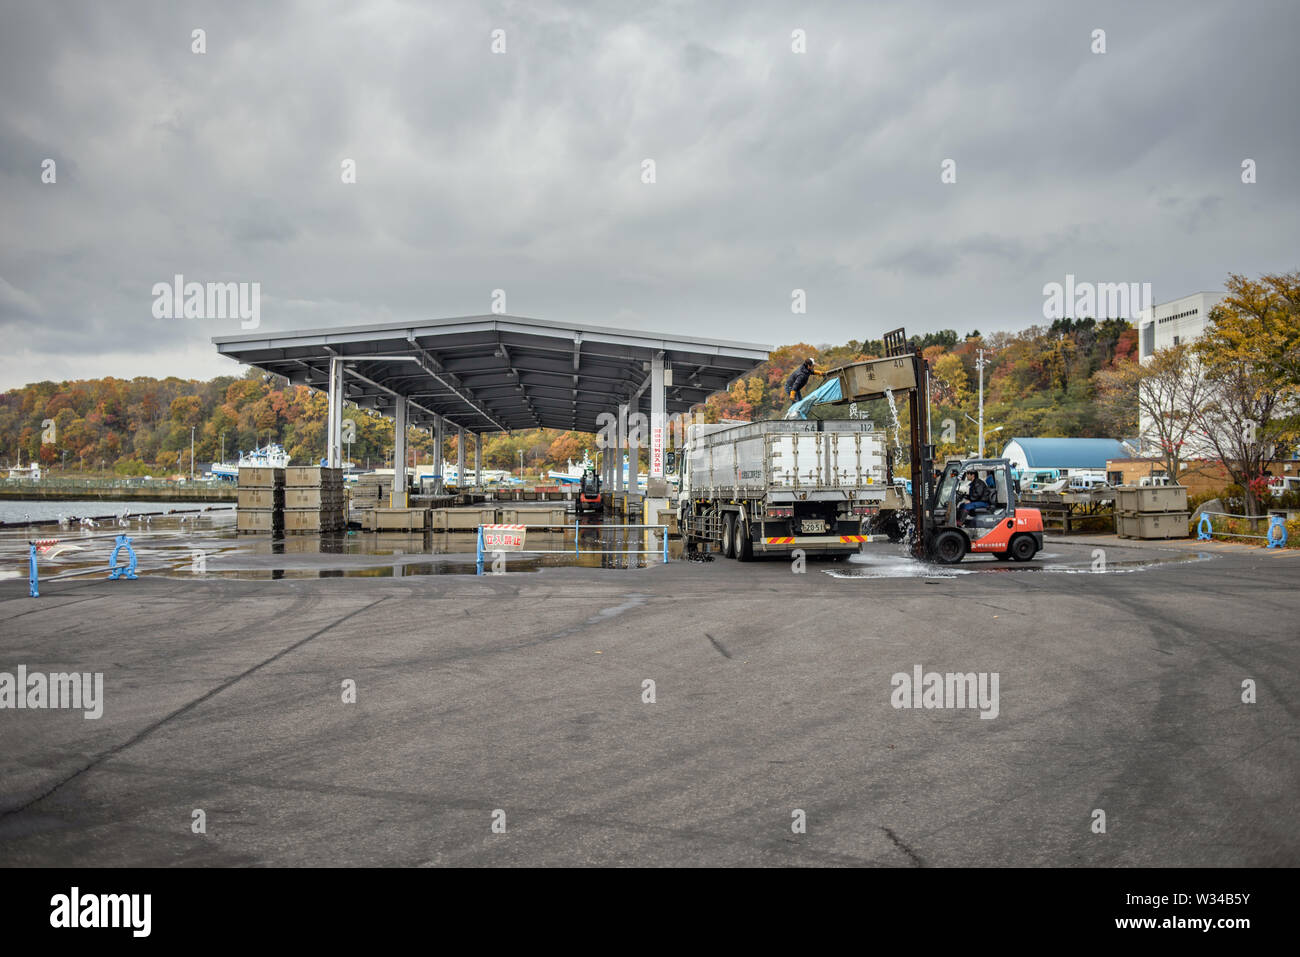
(976, 497)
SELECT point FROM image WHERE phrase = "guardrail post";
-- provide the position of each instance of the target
(478, 561)
(665, 528)
(33, 580)
(576, 527)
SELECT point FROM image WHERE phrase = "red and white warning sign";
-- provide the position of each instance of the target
(503, 538)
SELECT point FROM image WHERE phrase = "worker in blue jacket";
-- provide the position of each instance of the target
(799, 378)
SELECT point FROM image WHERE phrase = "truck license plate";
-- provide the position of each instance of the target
(813, 526)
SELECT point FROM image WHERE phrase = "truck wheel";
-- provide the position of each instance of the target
(744, 544)
(1023, 548)
(890, 528)
(949, 547)
(728, 535)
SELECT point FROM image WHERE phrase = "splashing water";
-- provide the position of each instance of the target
(905, 524)
(895, 425)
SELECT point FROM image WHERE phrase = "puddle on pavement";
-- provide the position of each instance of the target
(206, 545)
(880, 563)
(172, 545)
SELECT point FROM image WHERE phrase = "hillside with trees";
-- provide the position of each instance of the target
(1042, 381)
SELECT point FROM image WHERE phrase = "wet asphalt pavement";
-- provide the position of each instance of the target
(522, 698)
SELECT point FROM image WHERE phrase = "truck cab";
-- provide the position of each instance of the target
(958, 525)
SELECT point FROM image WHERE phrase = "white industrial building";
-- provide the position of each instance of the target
(1164, 325)
(1176, 322)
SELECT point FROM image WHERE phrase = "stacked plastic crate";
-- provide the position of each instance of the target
(259, 500)
(370, 493)
(1156, 511)
(313, 499)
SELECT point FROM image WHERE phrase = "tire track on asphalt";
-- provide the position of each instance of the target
(184, 709)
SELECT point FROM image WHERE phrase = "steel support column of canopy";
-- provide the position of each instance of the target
(399, 453)
(656, 487)
(334, 418)
(619, 438)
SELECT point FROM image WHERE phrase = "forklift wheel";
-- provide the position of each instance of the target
(1023, 548)
(950, 547)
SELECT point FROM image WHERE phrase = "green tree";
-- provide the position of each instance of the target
(1251, 354)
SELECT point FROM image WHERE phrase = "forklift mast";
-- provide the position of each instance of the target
(922, 452)
(901, 370)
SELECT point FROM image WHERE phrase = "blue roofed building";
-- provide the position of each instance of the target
(1065, 455)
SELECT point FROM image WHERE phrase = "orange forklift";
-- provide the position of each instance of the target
(947, 521)
(957, 522)
(588, 493)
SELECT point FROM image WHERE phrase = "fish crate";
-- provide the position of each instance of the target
(531, 516)
(400, 519)
(365, 496)
(298, 520)
(1135, 500)
(321, 498)
(313, 476)
(259, 476)
(462, 519)
(258, 521)
(260, 498)
(1152, 525)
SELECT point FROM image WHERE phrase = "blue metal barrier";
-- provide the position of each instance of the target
(1276, 523)
(115, 570)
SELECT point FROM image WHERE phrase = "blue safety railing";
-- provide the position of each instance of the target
(577, 549)
(1275, 535)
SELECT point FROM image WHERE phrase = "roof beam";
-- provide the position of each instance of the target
(435, 369)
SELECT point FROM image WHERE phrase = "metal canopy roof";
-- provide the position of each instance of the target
(499, 373)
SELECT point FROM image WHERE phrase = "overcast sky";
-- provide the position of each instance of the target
(522, 171)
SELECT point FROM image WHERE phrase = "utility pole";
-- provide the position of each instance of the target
(191, 453)
(979, 364)
(223, 445)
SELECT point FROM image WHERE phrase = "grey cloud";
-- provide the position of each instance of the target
(775, 170)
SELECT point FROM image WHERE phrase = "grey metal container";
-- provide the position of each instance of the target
(1134, 500)
(874, 377)
(1152, 525)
